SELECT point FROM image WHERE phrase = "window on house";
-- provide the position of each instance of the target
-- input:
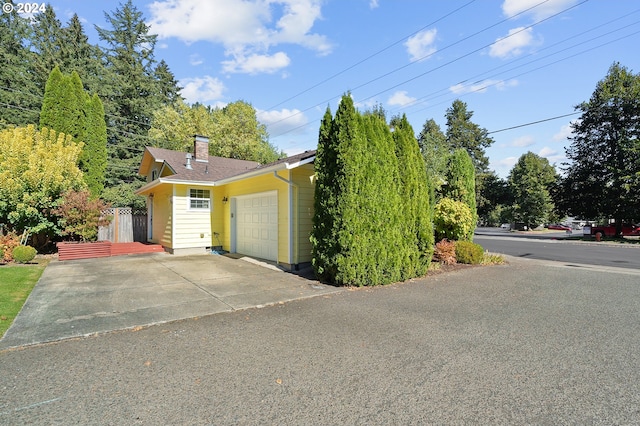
(199, 199)
(154, 174)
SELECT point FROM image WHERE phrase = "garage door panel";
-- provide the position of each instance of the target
(258, 227)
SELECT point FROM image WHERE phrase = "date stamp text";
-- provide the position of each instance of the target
(23, 7)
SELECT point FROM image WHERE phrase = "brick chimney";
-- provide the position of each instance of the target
(201, 148)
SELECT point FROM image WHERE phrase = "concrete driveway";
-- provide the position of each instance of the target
(83, 297)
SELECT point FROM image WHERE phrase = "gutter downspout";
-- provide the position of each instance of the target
(291, 185)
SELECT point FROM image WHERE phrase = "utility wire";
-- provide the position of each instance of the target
(427, 56)
(533, 122)
(372, 55)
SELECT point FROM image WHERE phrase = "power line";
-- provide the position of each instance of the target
(533, 122)
(372, 55)
(433, 69)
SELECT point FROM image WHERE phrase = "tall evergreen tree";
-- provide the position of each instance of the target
(461, 183)
(603, 178)
(129, 49)
(19, 98)
(435, 151)
(362, 234)
(415, 197)
(93, 159)
(78, 55)
(46, 42)
(167, 84)
(63, 105)
(326, 216)
(68, 109)
(463, 133)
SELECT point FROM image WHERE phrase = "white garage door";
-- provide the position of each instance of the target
(257, 225)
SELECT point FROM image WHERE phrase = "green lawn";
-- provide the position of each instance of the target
(16, 283)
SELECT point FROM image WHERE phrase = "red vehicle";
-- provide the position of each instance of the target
(559, 227)
(610, 230)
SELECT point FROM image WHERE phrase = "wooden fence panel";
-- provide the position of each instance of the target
(126, 226)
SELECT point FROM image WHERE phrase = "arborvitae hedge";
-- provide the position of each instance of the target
(461, 184)
(363, 233)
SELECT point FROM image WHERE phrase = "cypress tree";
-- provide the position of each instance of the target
(461, 184)
(63, 105)
(93, 159)
(325, 215)
(416, 197)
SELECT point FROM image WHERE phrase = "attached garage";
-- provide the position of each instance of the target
(257, 225)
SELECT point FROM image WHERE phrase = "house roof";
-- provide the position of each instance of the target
(217, 170)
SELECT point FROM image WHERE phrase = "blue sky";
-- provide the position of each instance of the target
(512, 61)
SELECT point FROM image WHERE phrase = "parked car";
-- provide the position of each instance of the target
(505, 226)
(559, 227)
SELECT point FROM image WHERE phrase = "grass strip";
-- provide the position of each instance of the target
(16, 283)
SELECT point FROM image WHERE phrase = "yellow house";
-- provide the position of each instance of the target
(199, 202)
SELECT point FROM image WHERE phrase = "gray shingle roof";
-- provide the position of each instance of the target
(217, 168)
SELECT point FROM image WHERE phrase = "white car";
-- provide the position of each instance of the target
(505, 226)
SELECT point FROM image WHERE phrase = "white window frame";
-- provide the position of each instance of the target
(205, 196)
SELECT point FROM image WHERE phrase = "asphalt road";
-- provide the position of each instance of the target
(525, 343)
(573, 252)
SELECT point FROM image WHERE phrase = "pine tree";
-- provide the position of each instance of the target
(130, 64)
(46, 42)
(19, 98)
(463, 133)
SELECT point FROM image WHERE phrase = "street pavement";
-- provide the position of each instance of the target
(530, 342)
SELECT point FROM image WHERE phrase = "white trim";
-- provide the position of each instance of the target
(233, 243)
(247, 175)
(199, 209)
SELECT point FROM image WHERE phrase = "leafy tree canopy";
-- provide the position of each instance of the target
(36, 168)
(603, 175)
(531, 180)
(234, 131)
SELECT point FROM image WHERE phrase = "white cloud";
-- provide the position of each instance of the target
(421, 45)
(255, 64)
(201, 89)
(283, 121)
(195, 60)
(565, 132)
(373, 4)
(482, 86)
(541, 11)
(246, 29)
(523, 141)
(552, 155)
(400, 98)
(512, 44)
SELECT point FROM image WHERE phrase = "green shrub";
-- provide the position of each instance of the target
(445, 252)
(1, 255)
(24, 254)
(453, 220)
(468, 252)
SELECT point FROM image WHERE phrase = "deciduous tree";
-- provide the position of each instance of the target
(36, 168)
(531, 180)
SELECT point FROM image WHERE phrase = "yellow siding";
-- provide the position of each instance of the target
(162, 224)
(219, 219)
(255, 185)
(191, 228)
(303, 178)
